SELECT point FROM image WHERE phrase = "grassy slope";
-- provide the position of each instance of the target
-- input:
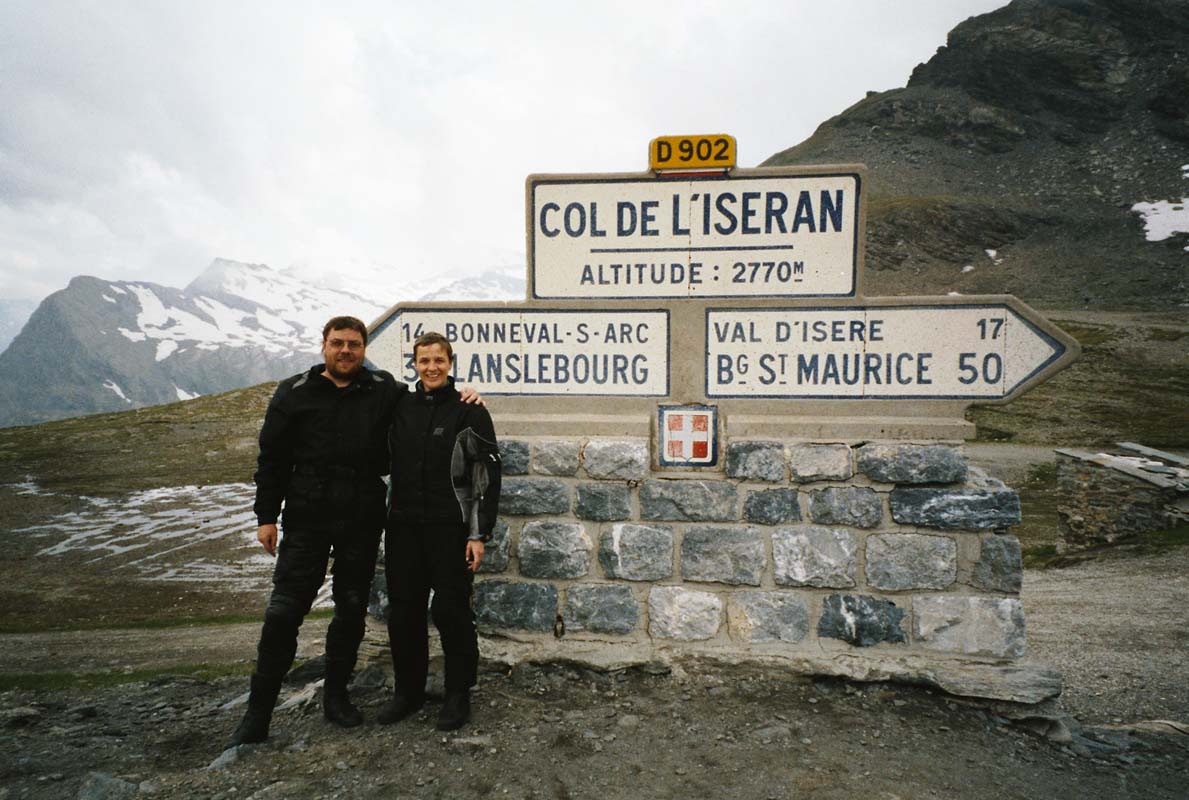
(208, 440)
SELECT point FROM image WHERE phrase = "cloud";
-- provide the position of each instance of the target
(141, 140)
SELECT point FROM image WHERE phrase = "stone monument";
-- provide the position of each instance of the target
(716, 447)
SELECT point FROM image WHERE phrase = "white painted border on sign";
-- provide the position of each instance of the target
(738, 236)
(959, 352)
(530, 352)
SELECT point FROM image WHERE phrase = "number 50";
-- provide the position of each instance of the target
(991, 372)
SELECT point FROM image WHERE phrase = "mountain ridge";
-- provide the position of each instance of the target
(115, 345)
(1038, 132)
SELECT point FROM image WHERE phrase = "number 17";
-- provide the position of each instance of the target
(995, 324)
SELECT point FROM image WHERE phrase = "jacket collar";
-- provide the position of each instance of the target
(362, 378)
(440, 395)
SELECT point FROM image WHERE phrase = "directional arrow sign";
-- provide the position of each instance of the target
(953, 351)
(502, 351)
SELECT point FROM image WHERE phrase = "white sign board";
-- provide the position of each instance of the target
(524, 352)
(782, 236)
(925, 352)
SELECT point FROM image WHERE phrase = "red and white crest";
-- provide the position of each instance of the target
(688, 435)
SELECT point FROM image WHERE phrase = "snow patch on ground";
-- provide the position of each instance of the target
(158, 535)
(183, 394)
(1163, 218)
(115, 387)
(967, 268)
(994, 256)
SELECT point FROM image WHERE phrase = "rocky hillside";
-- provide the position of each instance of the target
(1014, 159)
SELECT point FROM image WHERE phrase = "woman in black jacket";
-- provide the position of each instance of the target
(445, 496)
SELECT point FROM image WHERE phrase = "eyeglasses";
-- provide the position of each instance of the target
(339, 344)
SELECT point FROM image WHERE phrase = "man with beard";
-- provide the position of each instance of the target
(323, 450)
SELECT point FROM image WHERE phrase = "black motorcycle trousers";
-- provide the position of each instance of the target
(420, 557)
(300, 571)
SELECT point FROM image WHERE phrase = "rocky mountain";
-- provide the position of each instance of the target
(1042, 152)
(112, 345)
(101, 345)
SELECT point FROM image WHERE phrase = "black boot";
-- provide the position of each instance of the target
(337, 708)
(455, 711)
(399, 707)
(336, 703)
(254, 726)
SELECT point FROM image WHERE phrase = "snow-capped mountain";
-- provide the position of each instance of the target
(253, 304)
(101, 345)
(502, 283)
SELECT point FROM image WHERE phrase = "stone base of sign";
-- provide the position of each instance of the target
(864, 560)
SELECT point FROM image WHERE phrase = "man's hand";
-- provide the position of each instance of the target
(475, 550)
(267, 536)
(470, 396)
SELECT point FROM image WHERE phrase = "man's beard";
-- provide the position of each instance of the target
(342, 370)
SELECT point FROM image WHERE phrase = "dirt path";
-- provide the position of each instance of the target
(141, 649)
(1116, 628)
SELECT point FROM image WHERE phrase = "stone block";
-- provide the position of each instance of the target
(553, 550)
(732, 555)
(695, 501)
(1000, 567)
(603, 501)
(514, 457)
(617, 460)
(861, 620)
(951, 509)
(857, 507)
(912, 463)
(601, 608)
(975, 626)
(809, 555)
(898, 561)
(515, 605)
(637, 552)
(756, 461)
(819, 462)
(555, 457)
(767, 617)
(495, 556)
(684, 614)
(529, 496)
(772, 506)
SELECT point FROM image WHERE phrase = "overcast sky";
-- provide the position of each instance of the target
(140, 140)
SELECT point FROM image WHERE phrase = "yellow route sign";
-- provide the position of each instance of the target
(711, 151)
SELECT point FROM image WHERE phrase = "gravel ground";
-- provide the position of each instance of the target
(1114, 627)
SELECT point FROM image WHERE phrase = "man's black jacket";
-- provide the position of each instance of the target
(445, 461)
(323, 449)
